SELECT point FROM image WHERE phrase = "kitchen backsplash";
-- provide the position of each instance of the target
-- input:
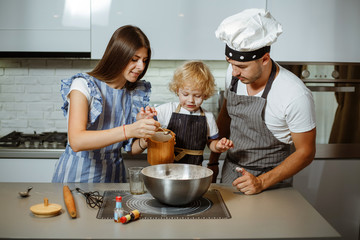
(30, 97)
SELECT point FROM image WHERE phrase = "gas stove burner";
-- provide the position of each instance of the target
(145, 203)
(31, 140)
(11, 140)
(54, 139)
(51, 140)
(54, 136)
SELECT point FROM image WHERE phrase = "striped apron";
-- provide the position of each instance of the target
(114, 107)
(255, 147)
(191, 136)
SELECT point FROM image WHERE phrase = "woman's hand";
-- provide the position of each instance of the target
(143, 128)
(148, 112)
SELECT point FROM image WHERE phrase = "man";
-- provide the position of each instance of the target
(267, 111)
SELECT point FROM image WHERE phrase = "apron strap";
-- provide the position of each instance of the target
(182, 152)
(270, 81)
(234, 84)
(179, 107)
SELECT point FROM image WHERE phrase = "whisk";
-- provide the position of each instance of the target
(93, 199)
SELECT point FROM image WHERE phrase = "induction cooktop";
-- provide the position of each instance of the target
(210, 206)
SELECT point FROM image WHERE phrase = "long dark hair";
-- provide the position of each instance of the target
(122, 46)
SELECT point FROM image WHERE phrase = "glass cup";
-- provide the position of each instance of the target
(136, 180)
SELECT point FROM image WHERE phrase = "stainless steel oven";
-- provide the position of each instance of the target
(336, 91)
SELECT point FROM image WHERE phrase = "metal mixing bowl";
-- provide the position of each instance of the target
(177, 184)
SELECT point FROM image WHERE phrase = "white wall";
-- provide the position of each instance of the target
(30, 97)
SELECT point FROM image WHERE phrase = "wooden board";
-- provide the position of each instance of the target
(46, 209)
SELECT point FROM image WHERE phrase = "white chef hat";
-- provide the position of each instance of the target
(248, 34)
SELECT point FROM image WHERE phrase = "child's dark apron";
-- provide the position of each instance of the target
(191, 136)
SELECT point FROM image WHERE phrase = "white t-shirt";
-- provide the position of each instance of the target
(164, 112)
(81, 85)
(290, 105)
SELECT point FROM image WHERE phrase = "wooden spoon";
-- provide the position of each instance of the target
(166, 132)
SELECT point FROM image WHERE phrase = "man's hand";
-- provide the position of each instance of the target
(247, 183)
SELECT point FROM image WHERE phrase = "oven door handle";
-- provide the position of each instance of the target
(331, 89)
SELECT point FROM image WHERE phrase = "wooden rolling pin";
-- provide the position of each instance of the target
(69, 201)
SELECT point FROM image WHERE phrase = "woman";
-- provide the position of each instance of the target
(101, 108)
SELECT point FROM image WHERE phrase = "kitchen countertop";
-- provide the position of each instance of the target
(280, 213)
(323, 152)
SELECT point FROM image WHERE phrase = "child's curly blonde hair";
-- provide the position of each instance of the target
(196, 74)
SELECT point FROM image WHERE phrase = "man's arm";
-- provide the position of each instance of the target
(223, 123)
(304, 154)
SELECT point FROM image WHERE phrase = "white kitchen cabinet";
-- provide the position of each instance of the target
(317, 31)
(176, 29)
(26, 170)
(45, 26)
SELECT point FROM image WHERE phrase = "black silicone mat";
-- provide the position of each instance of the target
(210, 206)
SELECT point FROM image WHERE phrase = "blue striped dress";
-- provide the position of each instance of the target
(111, 108)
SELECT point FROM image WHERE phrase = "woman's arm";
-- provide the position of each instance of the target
(139, 145)
(81, 139)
